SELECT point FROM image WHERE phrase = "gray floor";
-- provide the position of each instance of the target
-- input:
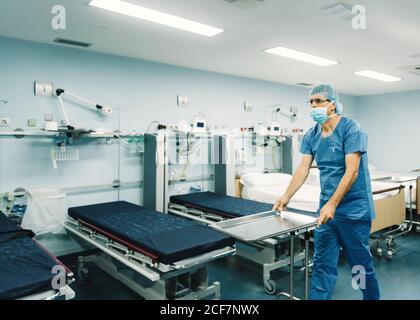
(399, 278)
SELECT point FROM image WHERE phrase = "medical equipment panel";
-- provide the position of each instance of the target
(179, 163)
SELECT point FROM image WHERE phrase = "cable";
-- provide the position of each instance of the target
(273, 156)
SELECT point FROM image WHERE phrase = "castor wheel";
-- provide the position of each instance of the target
(310, 270)
(270, 286)
(83, 275)
(389, 254)
(379, 251)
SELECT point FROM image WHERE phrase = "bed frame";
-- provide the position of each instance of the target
(272, 254)
(151, 279)
(390, 211)
(64, 293)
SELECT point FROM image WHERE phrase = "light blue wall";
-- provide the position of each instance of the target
(144, 91)
(392, 124)
(140, 92)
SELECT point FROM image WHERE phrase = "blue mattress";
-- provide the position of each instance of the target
(9, 230)
(222, 205)
(25, 267)
(166, 237)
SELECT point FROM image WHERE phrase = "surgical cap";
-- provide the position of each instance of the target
(329, 93)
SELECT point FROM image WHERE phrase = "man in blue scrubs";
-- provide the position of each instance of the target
(346, 207)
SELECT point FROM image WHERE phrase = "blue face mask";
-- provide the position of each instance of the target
(319, 115)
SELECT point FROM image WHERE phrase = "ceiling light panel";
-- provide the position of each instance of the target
(377, 76)
(139, 12)
(301, 56)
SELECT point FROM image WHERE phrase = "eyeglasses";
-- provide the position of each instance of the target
(317, 101)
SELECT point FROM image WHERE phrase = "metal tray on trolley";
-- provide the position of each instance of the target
(265, 225)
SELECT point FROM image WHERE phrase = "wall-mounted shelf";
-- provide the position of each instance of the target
(76, 190)
(42, 133)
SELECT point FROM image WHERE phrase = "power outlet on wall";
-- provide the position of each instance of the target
(4, 122)
(182, 101)
(31, 123)
(248, 106)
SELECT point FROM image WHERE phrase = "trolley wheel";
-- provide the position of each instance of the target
(310, 266)
(270, 286)
(83, 275)
(379, 251)
(309, 269)
(418, 229)
(389, 254)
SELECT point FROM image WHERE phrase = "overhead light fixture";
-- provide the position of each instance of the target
(139, 12)
(377, 76)
(301, 56)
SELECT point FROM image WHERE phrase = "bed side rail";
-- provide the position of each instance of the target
(399, 188)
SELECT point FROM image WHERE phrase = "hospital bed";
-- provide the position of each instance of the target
(157, 255)
(273, 250)
(388, 199)
(27, 269)
(406, 178)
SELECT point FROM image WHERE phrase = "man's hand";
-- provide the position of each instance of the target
(281, 203)
(326, 214)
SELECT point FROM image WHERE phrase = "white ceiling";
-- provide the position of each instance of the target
(391, 38)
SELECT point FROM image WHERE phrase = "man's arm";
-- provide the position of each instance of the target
(297, 181)
(350, 176)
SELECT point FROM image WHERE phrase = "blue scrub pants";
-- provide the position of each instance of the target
(353, 237)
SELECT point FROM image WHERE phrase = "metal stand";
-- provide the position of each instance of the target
(290, 294)
(411, 221)
(392, 236)
(307, 238)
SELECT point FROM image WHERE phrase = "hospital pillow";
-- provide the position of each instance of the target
(257, 179)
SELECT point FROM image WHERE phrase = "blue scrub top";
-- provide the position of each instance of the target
(329, 154)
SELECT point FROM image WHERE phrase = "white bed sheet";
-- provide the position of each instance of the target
(375, 175)
(380, 174)
(307, 198)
